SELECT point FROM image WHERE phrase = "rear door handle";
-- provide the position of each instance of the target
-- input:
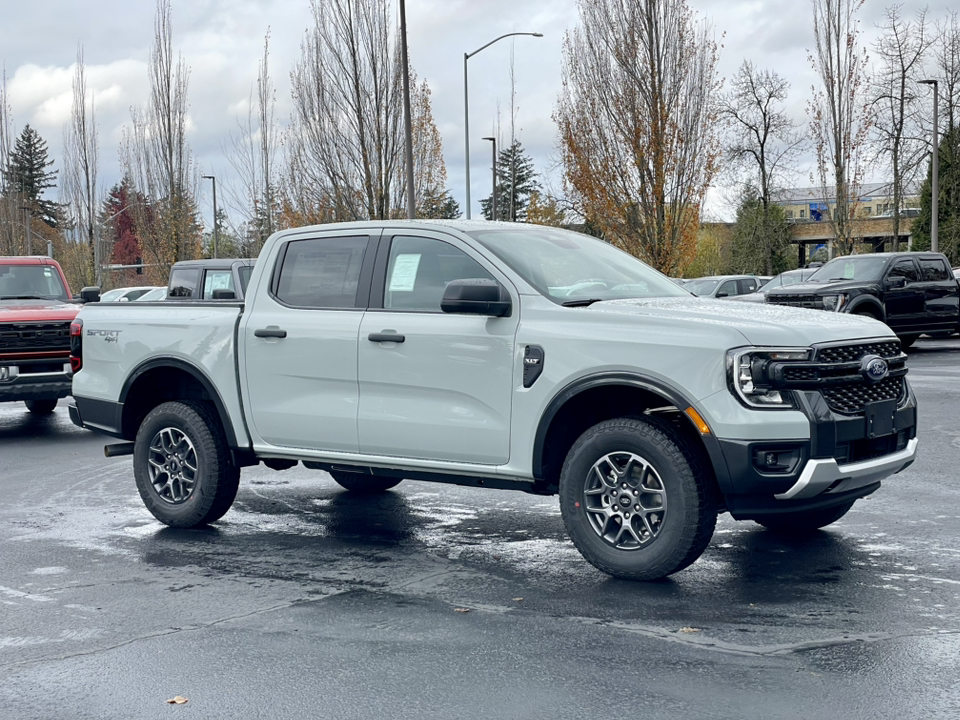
(386, 337)
(270, 332)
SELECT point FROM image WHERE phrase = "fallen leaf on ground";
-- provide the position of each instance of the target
(689, 629)
(461, 609)
(178, 700)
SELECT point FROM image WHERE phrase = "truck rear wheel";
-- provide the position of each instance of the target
(636, 500)
(804, 521)
(359, 483)
(41, 407)
(182, 465)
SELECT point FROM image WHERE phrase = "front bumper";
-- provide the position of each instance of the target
(35, 380)
(844, 458)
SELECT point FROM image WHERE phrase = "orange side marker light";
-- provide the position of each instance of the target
(698, 421)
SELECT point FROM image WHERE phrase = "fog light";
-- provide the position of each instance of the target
(9, 372)
(776, 460)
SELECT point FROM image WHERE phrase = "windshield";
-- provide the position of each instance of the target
(850, 268)
(31, 282)
(701, 287)
(567, 266)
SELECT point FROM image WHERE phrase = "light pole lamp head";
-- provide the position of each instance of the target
(928, 82)
(537, 34)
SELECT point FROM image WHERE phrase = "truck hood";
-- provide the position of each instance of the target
(37, 311)
(821, 288)
(770, 325)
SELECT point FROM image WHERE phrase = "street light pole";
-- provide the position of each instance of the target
(407, 123)
(216, 234)
(466, 108)
(935, 172)
(493, 201)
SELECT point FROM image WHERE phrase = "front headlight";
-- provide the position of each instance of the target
(750, 374)
(833, 303)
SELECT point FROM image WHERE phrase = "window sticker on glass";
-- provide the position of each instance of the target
(848, 271)
(404, 274)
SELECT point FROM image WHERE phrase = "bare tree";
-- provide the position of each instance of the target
(158, 160)
(761, 140)
(897, 135)
(637, 118)
(253, 154)
(10, 230)
(947, 56)
(839, 113)
(79, 188)
(345, 147)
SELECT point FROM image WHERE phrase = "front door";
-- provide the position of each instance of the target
(443, 389)
(904, 305)
(300, 343)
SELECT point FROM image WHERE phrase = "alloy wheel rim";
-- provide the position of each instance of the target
(625, 500)
(172, 462)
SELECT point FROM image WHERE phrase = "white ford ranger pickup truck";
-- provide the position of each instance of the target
(506, 356)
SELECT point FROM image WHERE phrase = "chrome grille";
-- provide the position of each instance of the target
(38, 337)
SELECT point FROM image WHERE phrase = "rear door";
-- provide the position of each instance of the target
(939, 292)
(300, 338)
(443, 390)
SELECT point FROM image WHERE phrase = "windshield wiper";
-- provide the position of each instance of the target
(581, 303)
(24, 297)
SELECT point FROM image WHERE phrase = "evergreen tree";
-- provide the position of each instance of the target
(516, 181)
(948, 203)
(761, 237)
(437, 205)
(27, 175)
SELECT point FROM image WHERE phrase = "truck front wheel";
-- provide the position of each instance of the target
(636, 499)
(41, 407)
(359, 483)
(804, 521)
(182, 465)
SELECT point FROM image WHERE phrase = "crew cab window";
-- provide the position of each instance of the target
(217, 280)
(905, 269)
(322, 272)
(183, 282)
(420, 268)
(933, 270)
(728, 288)
(747, 286)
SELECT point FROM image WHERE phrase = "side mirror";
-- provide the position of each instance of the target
(722, 295)
(90, 294)
(896, 282)
(224, 294)
(476, 296)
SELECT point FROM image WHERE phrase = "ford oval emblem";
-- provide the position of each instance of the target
(874, 368)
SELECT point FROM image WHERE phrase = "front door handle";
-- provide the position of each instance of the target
(270, 332)
(386, 337)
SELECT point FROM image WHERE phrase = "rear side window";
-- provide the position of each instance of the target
(217, 280)
(933, 270)
(321, 273)
(747, 286)
(183, 282)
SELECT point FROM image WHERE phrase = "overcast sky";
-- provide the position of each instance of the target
(222, 41)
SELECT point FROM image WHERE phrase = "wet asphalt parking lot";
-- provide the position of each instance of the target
(435, 601)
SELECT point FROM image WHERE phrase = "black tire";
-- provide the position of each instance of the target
(214, 478)
(41, 407)
(907, 341)
(367, 484)
(687, 497)
(805, 521)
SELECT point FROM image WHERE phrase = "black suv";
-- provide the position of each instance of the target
(912, 292)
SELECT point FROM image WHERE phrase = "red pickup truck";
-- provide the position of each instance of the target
(36, 309)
